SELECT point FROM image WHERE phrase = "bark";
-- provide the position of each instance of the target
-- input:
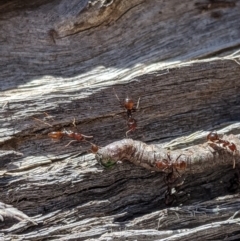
(59, 63)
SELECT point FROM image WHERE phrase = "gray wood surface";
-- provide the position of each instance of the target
(60, 60)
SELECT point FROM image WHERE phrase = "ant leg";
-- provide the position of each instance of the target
(176, 162)
(169, 158)
(117, 98)
(116, 94)
(134, 109)
(170, 178)
(170, 197)
(74, 122)
(179, 157)
(128, 132)
(70, 143)
(88, 137)
(138, 103)
(234, 163)
(174, 179)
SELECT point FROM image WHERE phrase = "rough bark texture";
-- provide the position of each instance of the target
(63, 58)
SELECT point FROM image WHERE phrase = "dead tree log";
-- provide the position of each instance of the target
(60, 61)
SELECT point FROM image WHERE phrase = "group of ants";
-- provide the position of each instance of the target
(129, 106)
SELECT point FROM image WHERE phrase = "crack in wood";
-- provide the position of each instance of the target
(215, 4)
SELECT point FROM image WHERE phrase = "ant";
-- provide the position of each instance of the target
(73, 135)
(76, 136)
(128, 104)
(214, 138)
(173, 179)
(132, 125)
(165, 164)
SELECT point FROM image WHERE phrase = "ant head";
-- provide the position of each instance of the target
(128, 103)
(163, 165)
(94, 148)
(212, 136)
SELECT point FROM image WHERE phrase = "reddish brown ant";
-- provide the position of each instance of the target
(128, 104)
(173, 178)
(132, 125)
(73, 135)
(76, 136)
(164, 164)
(94, 148)
(213, 137)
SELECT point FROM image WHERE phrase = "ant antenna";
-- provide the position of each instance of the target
(116, 95)
(138, 103)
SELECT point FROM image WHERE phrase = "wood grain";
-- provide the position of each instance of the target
(60, 60)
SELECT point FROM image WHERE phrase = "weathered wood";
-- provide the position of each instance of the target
(7, 211)
(64, 58)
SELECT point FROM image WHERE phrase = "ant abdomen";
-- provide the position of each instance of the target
(56, 134)
(132, 124)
